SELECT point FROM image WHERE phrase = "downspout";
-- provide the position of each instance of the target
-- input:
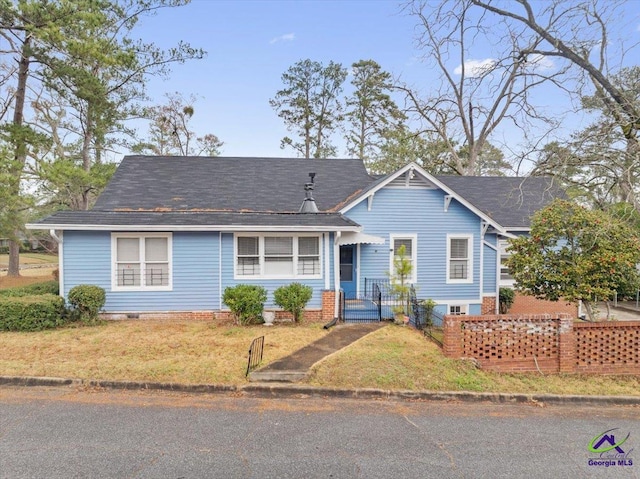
(220, 270)
(481, 279)
(336, 273)
(59, 240)
(327, 259)
(497, 276)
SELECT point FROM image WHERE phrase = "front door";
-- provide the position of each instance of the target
(348, 270)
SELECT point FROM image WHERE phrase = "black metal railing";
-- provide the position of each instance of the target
(255, 354)
(425, 317)
(370, 285)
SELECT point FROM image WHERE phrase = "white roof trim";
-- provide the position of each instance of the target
(415, 167)
(225, 228)
(359, 238)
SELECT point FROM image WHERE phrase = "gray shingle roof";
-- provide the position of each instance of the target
(262, 192)
(331, 221)
(229, 184)
(510, 201)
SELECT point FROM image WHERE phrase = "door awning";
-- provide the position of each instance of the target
(350, 237)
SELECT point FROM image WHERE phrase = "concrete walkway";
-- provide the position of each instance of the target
(295, 367)
(624, 311)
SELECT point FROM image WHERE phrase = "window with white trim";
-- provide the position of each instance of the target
(459, 258)
(141, 261)
(505, 274)
(458, 309)
(271, 256)
(410, 244)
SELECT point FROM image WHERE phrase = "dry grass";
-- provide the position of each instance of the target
(166, 351)
(27, 277)
(30, 258)
(196, 352)
(401, 358)
(30, 275)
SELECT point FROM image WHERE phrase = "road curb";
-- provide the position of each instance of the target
(269, 390)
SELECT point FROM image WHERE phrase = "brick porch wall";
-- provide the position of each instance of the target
(529, 305)
(548, 343)
(488, 305)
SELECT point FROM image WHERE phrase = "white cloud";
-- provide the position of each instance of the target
(540, 63)
(638, 27)
(287, 37)
(475, 68)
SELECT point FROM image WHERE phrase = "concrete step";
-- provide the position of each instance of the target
(277, 376)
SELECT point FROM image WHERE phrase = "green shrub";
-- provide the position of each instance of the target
(46, 287)
(426, 309)
(506, 298)
(246, 302)
(87, 300)
(293, 298)
(31, 313)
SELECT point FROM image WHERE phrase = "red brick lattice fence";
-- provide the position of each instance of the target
(547, 343)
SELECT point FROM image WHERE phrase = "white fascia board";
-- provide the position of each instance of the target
(415, 167)
(378, 187)
(226, 228)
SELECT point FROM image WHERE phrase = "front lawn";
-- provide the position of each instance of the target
(399, 357)
(208, 352)
(193, 352)
(30, 258)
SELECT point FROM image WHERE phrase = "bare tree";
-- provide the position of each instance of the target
(580, 35)
(480, 94)
(170, 132)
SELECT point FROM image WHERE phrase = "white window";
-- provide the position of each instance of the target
(459, 259)
(458, 309)
(141, 261)
(505, 275)
(270, 256)
(409, 242)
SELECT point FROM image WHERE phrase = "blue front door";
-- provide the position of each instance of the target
(348, 270)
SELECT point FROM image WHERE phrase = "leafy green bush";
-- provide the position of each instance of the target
(246, 302)
(46, 287)
(31, 313)
(87, 300)
(506, 298)
(426, 309)
(293, 298)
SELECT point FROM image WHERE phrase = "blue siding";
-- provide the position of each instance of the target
(195, 272)
(421, 212)
(271, 285)
(490, 268)
(86, 259)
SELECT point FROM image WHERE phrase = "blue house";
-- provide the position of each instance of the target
(169, 234)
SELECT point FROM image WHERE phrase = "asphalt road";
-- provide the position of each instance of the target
(65, 433)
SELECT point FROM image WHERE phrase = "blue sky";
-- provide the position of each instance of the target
(251, 43)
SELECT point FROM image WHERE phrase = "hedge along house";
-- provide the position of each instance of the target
(169, 234)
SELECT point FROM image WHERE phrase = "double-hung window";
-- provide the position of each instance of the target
(459, 258)
(505, 274)
(141, 261)
(410, 254)
(270, 256)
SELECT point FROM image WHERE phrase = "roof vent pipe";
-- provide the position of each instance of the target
(309, 204)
